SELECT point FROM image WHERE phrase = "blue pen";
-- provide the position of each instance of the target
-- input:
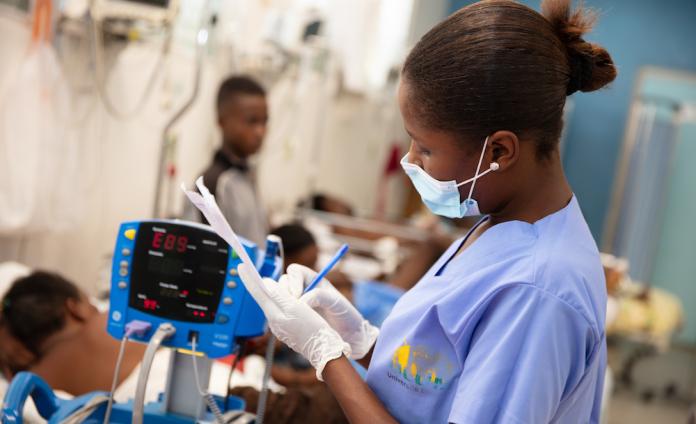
(337, 257)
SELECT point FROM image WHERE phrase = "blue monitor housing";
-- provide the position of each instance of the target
(185, 274)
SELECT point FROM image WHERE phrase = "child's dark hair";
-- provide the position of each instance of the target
(317, 202)
(295, 237)
(235, 85)
(34, 307)
(499, 65)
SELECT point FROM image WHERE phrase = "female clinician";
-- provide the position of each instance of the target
(508, 326)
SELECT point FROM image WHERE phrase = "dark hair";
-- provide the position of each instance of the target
(326, 203)
(499, 65)
(34, 307)
(318, 201)
(235, 85)
(295, 237)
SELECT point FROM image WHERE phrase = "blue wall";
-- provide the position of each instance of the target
(636, 33)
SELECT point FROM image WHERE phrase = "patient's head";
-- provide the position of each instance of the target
(328, 203)
(38, 312)
(299, 245)
(14, 356)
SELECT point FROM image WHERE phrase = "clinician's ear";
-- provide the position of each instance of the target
(505, 149)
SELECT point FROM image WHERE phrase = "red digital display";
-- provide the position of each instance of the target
(169, 242)
(178, 272)
(150, 304)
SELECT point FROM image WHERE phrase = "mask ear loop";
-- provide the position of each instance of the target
(478, 168)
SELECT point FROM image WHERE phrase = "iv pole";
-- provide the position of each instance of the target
(201, 41)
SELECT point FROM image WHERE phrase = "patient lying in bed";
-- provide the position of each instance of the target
(49, 326)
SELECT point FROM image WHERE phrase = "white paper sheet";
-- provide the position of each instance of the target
(205, 202)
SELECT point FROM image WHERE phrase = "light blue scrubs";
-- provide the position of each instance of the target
(509, 331)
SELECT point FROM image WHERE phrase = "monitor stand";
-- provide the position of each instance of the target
(181, 395)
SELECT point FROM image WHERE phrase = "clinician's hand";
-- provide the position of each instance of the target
(335, 309)
(294, 322)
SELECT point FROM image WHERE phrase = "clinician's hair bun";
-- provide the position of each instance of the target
(590, 65)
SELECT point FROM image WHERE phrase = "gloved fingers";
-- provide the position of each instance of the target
(306, 274)
(285, 293)
(312, 298)
(293, 284)
(319, 298)
(370, 335)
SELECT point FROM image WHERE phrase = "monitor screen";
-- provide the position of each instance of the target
(178, 272)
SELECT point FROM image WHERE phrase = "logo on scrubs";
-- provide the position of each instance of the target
(418, 368)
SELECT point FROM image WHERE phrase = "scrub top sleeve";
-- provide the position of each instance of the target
(528, 349)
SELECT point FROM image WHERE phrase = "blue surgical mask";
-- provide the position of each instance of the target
(442, 197)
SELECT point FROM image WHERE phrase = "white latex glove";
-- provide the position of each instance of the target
(294, 322)
(336, 310)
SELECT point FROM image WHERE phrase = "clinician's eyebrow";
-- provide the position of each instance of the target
(415, 140)
(410, 135)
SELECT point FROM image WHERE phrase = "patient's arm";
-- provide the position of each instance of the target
(286, 376)
(423, 255)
